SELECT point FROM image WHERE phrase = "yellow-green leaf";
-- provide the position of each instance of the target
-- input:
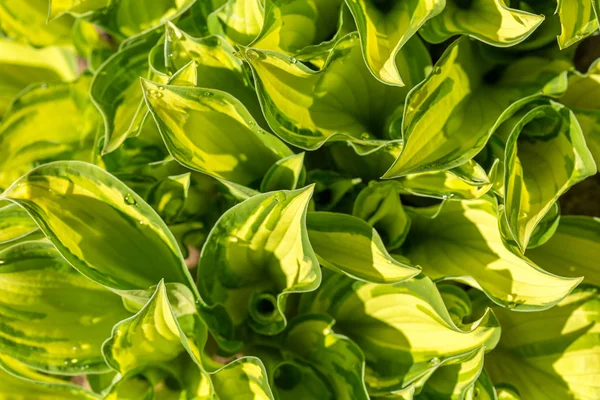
(255, 255)
(101, 227)
(451, 115)
(386, 26)
(490, 21)
(404, 329)
(546, 154)
(578, 20)
(212, 132)
(351, 246)
(51, 317)
(286, 174)
(552, 354)
(573, 250)
(464, 243)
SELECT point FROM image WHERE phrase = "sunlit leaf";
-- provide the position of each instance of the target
(350, 245)
(257, 253)
(212, 132)
(578, 19)
(490, 21)
(101, 227)
(386, 26)
(52, 318)
(464, 243)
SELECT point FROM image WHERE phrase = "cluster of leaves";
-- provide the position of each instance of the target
(373, 184)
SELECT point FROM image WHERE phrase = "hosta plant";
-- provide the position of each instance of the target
(299, 199)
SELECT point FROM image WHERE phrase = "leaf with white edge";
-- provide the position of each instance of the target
(485, 390)
(28, 21)
(457, 381)
(342, 101)
(291, 27)
(583, 91)
(338, 362)
(286, 174)
(23, 145)
(507, 392)
(164, 328)
(573, 250)
(540, 235)
(552, 354)
(168, 196)
(404, 330)
(349, 245)
(467, 181)
(124, 19)
(578, 20)
(546, 154)
(23, 65)
(242, 379)
(116, 92)
(379, 204)
(78, 8)
(99, 225)
(450, 116)
(464, 243)
(256, 254)
(212, 132)
(240, 21)
(19, 382)
(385, 27)
(52, 318)
(217, 67)
(490, 21)
(15, 224)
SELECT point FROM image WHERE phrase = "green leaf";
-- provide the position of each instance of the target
(450, 116)
(292, 27)
(583, 89)
(199, 127)
(286, 174)
(51, 317)
(28, 22)
(124, 17)
(404, 329)
(342, 101)
(240, 21)
(156, 334)
(90, 44)
(578, 20)
(490, 21)
(116, 92)
(338, 361)
(244, 378)
(467, 181)
(23, 145)
(101, 227)
(15, 225)
(572, 250)
(545, 155)
(255, 255)
(23, 65)
(217, 67)
(17, 381)
(463, 243)
(168, 196)
(331, 188)
(76, 7)
(386, 26)
(553, 354)
(379, 204)
(349, 245)
(455, 381)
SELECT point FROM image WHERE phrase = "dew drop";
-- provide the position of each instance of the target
(75, 348)
(158, 95)
(293, 60)
(142, 223)
(233, 239)
(252, 54)
(389, 261)
(151, 92)
(364, 136)
(207, 94)
(74, 361)
(436, 71)
(445, 197)
(129, 199)
(434, 361)
(250, 122)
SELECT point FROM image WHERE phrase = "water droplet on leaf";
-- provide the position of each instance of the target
(130, 200)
